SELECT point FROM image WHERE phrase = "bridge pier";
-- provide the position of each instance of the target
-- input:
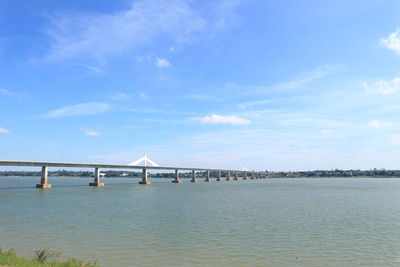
(208, 177)
(228, 178)
(176, 181)
(252, 176)
(219, 176)
(43, 179)
(245, 176)
(194, 180)
(144, 177)
(96, 181)
(236, 176)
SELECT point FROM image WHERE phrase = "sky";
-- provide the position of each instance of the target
(267, 85)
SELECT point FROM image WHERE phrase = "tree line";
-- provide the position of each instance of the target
(269, 174)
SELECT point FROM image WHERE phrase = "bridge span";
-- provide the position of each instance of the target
(46, 164)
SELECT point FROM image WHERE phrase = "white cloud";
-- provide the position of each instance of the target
(392, 42)
(97, 35)
(162, 62)
(92, 133)
(4, 131)
(379, 124)
(79, 110)
(220, 119)
(383, 87)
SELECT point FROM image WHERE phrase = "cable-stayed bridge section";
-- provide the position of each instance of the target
(134, 165)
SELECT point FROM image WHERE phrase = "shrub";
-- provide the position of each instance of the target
(44, 255)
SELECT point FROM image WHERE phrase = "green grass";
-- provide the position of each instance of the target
(43, 258)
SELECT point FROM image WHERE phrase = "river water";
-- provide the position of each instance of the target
(273, 222)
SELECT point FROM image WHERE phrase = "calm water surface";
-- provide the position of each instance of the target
(275, 222)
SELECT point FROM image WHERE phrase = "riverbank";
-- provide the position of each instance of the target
(43, 258)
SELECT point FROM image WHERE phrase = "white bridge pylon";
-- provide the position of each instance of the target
(145, 160)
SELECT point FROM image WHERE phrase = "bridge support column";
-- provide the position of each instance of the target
(236, 176)
(194, 180)
(208, 177)
(228, 178)
(144, 177)
(43, 180)
(219, 176)
(245, 176)
(176, 181)
(96, 181)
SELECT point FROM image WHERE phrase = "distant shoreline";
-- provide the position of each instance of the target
(373, 173)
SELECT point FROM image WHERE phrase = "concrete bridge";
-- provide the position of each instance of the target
(45, 165)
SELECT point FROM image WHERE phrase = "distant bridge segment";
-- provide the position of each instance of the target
(46, 164)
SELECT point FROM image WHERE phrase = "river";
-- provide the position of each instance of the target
(272, 222)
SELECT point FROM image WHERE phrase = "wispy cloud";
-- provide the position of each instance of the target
(152, 110)
(100, 35)
(379, 124)
(4, 131)
(79, 110)
(121, 96)
(300, 81)
(10, 93)
(395, 139)
(253, 103)
(92, 133)
(326, 131)
(91, 68)
(5, 92)
(306, 78)
(144, 96)
(220, 119)
(224, 12)
(392, 42)
(162, 63)
(383, 87)
(199, 97)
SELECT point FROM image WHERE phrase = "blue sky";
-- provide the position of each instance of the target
(277, 85)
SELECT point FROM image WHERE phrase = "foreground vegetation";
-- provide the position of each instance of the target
(43, 258)
(291, 174)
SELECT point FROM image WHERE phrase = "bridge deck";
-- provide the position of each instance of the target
(96, 165)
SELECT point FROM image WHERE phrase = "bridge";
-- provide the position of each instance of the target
(46, 164)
